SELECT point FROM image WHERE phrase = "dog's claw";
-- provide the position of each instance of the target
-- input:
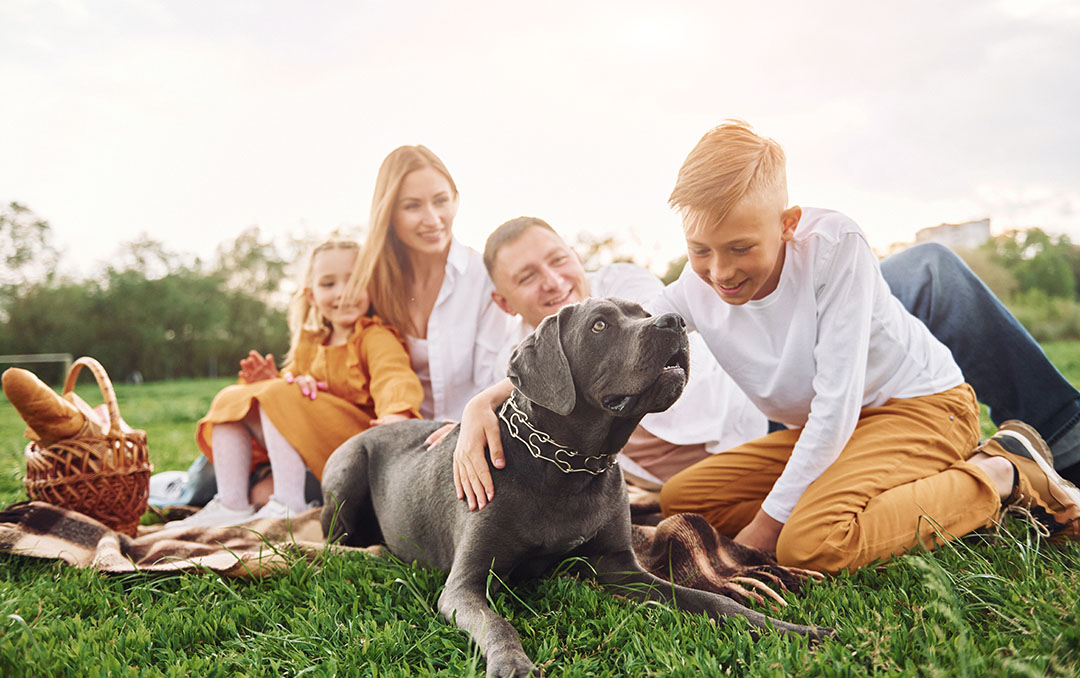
(511, 667)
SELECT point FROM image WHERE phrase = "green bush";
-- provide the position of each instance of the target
(1047, 318)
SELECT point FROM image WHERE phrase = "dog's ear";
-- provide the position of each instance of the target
(538, 368)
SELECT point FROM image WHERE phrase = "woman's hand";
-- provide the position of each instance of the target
(257, 368)
(762, 533)
(479, 426)
(308, 384)
(390, 418)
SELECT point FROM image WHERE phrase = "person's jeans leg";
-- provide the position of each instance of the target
(999, 358)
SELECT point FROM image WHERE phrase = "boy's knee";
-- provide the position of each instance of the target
(805, 548)
(675, 498)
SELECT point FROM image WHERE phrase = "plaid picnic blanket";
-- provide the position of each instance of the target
(41, 530)
(682, 548)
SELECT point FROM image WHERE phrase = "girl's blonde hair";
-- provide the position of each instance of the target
(383, 266)
(301, 314)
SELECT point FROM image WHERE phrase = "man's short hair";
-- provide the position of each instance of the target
(507, 233)
(729, 163)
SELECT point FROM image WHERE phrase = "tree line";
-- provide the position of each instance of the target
(150, 314)
(1037, 275)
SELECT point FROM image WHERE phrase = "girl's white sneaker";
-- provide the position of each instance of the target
(275, 508)
(214, 514)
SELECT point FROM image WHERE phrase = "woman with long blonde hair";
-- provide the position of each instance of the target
(426, 284)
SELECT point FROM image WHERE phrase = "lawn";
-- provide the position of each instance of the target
(991, 605)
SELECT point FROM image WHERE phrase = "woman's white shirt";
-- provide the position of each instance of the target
(464, 329)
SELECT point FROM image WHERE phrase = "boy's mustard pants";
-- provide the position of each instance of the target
(902, 479)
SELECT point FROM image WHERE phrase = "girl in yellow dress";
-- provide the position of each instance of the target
(344, 373)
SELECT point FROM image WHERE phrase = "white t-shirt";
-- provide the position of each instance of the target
(464, 329)
(828, 341)
(711, 411)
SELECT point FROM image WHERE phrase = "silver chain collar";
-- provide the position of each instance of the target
(568, 461)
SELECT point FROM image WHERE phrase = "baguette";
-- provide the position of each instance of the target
(48, 416)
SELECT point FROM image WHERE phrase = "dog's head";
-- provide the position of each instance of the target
(606, 353)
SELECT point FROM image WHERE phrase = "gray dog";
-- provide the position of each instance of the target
(584, 380)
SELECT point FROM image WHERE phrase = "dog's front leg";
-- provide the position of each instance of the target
(621, 572)
(463, 602)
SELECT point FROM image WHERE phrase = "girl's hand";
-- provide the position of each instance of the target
(762, 533)
(389, 419)
(479, 425)
(438, 434)
(257, 368)
(309, 386)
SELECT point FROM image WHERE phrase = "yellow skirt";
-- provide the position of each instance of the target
(314, 427)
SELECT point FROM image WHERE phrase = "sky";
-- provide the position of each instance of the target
(188, 122)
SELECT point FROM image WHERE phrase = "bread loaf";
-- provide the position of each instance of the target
(48, 416)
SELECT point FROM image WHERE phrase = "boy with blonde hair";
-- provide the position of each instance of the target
(881, 447)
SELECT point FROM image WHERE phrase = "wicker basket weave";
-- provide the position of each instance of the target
(103, 475)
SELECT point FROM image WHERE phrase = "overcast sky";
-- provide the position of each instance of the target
(193, 120)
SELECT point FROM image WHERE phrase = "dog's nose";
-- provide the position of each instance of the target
(670, 321)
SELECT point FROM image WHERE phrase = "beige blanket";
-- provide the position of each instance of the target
(682, 548)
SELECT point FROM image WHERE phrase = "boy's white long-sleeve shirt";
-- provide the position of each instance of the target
(830, 340)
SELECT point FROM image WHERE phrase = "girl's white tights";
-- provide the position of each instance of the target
(232, 461)
(287, 466)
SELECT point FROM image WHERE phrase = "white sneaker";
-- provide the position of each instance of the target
(167, 487)
(214, 514)
(275, 508)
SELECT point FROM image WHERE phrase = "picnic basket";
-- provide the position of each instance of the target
(102, 471)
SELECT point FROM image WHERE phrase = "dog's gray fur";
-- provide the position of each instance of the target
(575, 371)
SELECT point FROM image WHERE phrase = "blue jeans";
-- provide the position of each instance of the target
(1002, 362)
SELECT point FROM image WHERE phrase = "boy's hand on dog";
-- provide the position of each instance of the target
(762, 533)
(479, 428)
(257, 368)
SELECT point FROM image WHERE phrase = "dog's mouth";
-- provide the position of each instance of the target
(618, 403)
(674, 370)
(678, 362)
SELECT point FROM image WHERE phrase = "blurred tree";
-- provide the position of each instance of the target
(674, 269)
(598, 251)
(145, 256)
(999, 279)
(25, 246)
(253, 265)
(149, 312)
(68, 325)
(1037, 260)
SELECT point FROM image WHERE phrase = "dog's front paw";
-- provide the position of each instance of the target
(511, 665)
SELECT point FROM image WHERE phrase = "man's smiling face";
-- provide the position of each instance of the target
(536, 275)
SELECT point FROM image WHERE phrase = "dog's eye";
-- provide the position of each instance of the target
(599, 326)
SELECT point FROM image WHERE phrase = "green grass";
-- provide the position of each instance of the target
(987, 606)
